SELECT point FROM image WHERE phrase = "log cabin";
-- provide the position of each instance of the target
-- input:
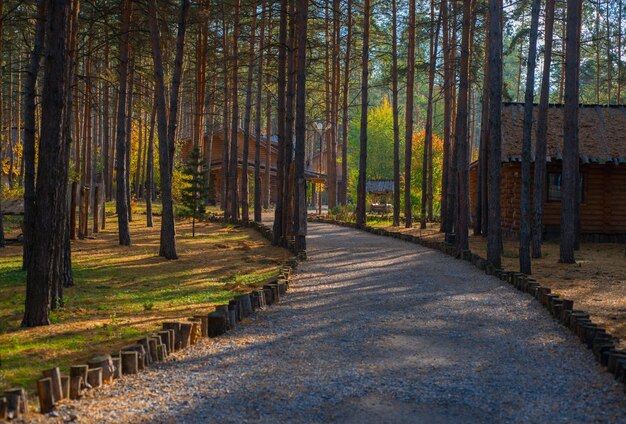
(602, 140)
(213, 154)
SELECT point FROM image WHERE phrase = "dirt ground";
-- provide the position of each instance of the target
(596, 283)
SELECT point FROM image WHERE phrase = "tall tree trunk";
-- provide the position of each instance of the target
(150, 168)
(2, 242)
(494, 236)
(428, 138)
(461, 132)
(30, 127)
(167, 131)
(346, 118)
(72, 57)
(44, 269)
(609, 67)
(226, 118)
(129, 134)
(287, 220)
(408, 138)
(233, 201)
(570, 176)
(121, 201)
(300, 212)
(280, 115)
(173, 116)
(361, 194)
(106, 140)
(539, 179)
(396, 124)
(524, 240)
(482, 170)
(257, 119)
(619, 52)
(446, 225)
(245, 200)
(268, 115)
(334, 110)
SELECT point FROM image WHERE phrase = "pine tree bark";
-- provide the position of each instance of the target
(226, 118)
(280, 120)
(166, 131)
(494, 236)
(482, 170)
(257, 119)
(245, 200)
(396, 124)
(345, 116)
(44, 269)
(300, 212)
(150, 168)
(121, 201)
(570, 172)
(288, 180)
(267, 190)
(461, 132)
(30, 127)
(408, 138)
(428, 138)
(361, 194)
(233, 201)
(525, 235)
(446, 225)
(539, 179)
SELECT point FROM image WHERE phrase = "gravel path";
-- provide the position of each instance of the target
(382, 331)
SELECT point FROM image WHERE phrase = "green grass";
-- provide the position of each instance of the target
(121, 293)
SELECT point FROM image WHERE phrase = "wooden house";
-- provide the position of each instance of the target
(213, 153)
(602, 132)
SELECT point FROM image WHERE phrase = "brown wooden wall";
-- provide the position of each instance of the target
(602, 211)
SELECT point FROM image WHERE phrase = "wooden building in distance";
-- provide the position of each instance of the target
(602, 135)
(213, 154)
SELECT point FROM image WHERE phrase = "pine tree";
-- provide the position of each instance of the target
(195, 188)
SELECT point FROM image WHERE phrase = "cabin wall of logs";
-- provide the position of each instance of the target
(602, 208)
(596, 338)
(55, 387)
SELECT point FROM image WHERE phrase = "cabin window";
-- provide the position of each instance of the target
(554, 187)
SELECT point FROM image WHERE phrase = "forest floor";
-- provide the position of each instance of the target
(121, 293)
(596, 283)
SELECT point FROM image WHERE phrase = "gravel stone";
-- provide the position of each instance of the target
(375, 329)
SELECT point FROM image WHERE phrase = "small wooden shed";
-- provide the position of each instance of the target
(602, 131)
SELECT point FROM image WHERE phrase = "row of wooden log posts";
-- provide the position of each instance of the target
(101, 369)
(579, 322)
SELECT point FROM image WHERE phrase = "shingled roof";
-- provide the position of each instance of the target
(602, 132)
(379, 186)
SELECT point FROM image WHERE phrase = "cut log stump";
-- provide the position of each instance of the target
(117, 364)
(154, 342)
(105, 362)
(45, 393)
(54, 374)
(205, 325)
(65, 387)
(145, 342)
(217, 324)
(141, 355)
(176, 339)
(17, 401)
(130, 362)
(94, 377)
(76, 387)
(223, 310)
(185, 334)
(164, 335)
